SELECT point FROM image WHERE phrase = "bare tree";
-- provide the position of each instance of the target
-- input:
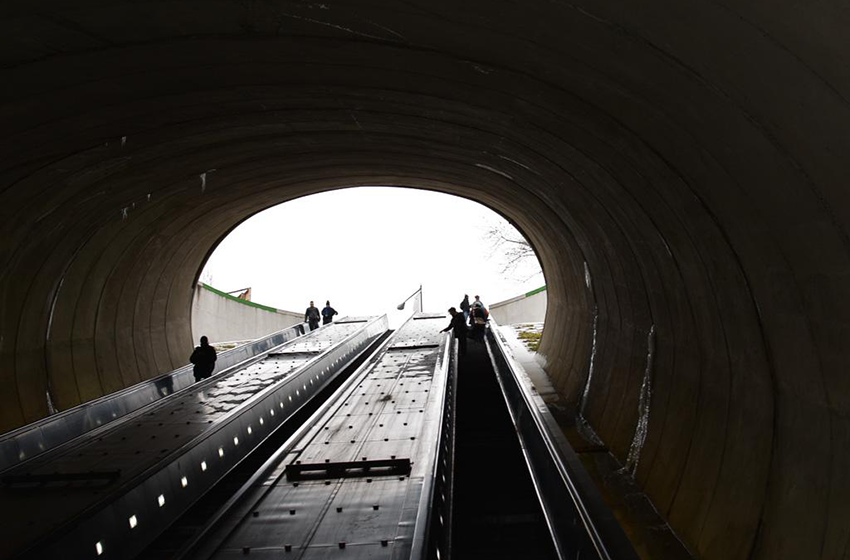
(206, 276)
(513, 250)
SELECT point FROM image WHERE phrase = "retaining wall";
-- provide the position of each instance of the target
(222, 317)
(527, 308)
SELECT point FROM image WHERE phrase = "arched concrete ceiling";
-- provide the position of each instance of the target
(691, 157)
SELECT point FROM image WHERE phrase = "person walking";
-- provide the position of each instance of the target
(464, 306)
(458, 323)
(204, 359)
(311, 316)
(328, 313)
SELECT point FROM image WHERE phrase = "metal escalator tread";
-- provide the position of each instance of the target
(496, 512)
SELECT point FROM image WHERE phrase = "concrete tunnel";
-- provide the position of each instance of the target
(681, 170)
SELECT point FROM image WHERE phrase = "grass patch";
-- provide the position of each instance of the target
(531, 339)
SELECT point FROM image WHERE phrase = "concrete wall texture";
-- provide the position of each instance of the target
(223, 318)
(680, 168)
(526, 308)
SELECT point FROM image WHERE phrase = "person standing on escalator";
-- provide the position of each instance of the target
(464, 306)
(204, 359)
(478, 316)
(458, 323)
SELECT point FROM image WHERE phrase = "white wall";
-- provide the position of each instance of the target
(223, 318)
(521, 309)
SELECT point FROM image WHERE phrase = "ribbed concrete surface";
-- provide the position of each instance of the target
(693, 155)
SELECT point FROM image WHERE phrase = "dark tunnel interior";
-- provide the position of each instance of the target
(680, 170)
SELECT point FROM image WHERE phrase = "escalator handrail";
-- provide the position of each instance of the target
(600, 526)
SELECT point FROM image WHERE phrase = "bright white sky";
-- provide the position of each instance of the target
(366, 249)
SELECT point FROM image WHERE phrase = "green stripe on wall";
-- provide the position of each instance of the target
(236, 299)
(537, 291)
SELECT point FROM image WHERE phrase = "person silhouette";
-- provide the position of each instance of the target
(204, 359)
(464, 306)
(478, 316)
(458, 323)
(328, 313)
(311, 316)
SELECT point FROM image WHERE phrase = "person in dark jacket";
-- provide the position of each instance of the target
(311, 316)
(478, 316)
(458, 323)
(464, 306)
(328, 313)
(204, 359)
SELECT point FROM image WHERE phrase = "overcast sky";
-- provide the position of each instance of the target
(366, 249)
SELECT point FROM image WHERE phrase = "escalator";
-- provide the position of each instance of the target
(496, 513)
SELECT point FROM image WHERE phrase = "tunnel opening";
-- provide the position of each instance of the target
(362, 249)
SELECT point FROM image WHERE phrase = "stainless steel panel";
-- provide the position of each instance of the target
(27, 442)
(375, 418)
(179, 448)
